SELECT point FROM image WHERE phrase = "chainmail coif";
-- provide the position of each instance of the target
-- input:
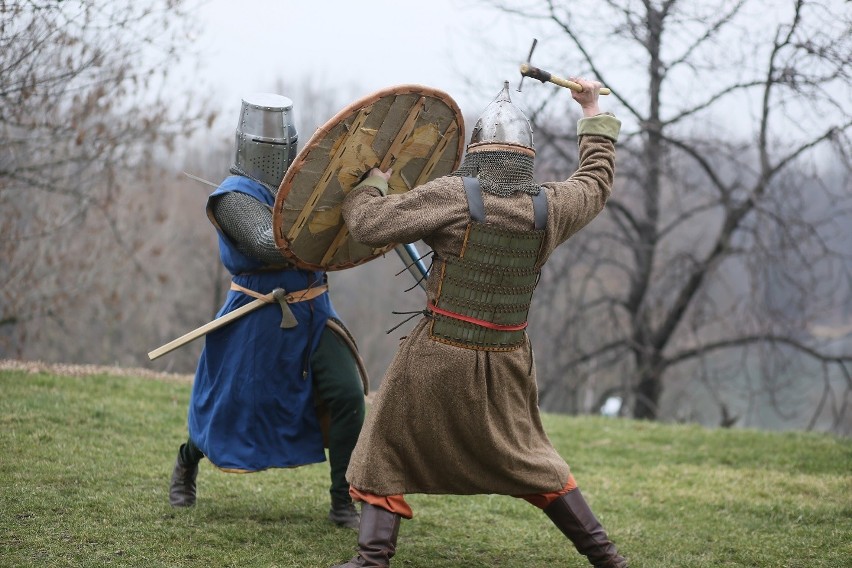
(500, 172)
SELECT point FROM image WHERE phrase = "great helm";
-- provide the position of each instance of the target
(502, 123)
(266, 139)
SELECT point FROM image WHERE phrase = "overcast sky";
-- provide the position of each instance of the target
(359, 47)
(253, 45)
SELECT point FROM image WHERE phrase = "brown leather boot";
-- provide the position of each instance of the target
(572, 515)
(376, 538)
(182, 487)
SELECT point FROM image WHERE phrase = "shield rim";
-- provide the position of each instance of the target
(281, 241)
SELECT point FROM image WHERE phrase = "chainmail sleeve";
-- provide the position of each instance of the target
(248, 223)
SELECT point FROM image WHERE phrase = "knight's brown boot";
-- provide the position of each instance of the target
(572, 515)
(182, 487)
(376, 538)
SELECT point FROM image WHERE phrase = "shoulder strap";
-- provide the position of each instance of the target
(477, 208)
(474, 198)
(540, 209)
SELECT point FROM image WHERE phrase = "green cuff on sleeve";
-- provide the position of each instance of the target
(378, 182)
(604, 124)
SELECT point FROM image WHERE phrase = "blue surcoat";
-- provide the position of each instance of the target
(252, 404)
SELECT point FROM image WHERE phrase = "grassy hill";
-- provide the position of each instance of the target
(85, 463)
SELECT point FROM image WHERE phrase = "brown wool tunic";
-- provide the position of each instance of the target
(448, 419)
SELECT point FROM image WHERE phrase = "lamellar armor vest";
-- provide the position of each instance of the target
(484, 294)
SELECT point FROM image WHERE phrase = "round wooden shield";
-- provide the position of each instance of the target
(416, 130)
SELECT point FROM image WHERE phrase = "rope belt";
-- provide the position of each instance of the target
(477, 321)
(280, 294)
(282, 298)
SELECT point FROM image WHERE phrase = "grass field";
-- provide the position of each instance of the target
(85, 463)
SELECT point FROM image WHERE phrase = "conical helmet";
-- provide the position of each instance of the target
(502, 123)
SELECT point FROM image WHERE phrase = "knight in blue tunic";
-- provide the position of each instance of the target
(264, 380)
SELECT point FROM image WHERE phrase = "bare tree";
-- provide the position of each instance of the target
(83, 112)
(725, 247)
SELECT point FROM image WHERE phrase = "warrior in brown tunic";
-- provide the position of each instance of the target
(457, 411)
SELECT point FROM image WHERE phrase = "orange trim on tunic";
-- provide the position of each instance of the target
(393, 503)
(542, 500)
(397, 504)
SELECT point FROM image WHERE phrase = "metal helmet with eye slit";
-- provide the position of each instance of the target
(266, 139)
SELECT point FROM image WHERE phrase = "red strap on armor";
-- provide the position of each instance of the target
(475, 321)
